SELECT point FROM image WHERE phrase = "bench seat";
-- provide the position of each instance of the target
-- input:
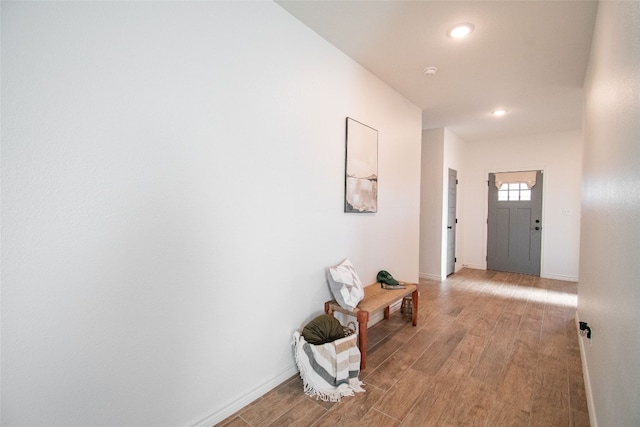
(375, 298)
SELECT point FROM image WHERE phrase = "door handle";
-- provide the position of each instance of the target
(449, 227)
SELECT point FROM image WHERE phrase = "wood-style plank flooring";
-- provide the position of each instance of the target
(490, 349)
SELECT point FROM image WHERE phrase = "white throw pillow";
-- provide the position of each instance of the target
(345, 285)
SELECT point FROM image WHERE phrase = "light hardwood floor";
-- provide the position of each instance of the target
(490, 349)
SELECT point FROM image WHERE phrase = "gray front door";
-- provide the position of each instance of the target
(514, 227)
(451, 222)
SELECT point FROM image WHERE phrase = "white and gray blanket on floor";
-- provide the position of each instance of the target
(329, 371)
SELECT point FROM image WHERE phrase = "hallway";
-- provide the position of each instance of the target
(490, 349)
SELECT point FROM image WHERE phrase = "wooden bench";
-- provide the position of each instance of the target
(375, 298)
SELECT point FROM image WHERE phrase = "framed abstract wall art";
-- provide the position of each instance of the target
(361, 168)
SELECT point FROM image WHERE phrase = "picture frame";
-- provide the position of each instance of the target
(361, 168)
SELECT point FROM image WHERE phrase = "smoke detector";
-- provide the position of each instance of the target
(430, 71)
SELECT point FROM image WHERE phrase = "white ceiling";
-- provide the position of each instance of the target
(529, 57)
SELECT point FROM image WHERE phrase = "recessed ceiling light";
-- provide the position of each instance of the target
(430, 71)
(499, 113)
(460, 31)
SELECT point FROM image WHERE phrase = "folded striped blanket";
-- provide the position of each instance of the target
(329, 371)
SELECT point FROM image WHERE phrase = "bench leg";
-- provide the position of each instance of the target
(414, 312)
(327, 308)
(363, 319)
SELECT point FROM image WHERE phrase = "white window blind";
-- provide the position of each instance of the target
(528, 178)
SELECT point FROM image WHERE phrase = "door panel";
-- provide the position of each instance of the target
(451, 221)
(514, 231)
(501, 236)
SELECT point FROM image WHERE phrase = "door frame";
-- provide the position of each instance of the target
(485, 210)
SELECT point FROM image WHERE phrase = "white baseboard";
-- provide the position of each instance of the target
(378, 316)
(559, 277)
(593, 420)
(242, 401)
(427, 276)
(475, 266)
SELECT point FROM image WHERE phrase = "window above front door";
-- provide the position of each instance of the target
(515, 186)
(514, 191)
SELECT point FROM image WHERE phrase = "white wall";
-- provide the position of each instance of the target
(454, 148)
(172, 192)
(441, 150)
(431, 203)
(559, 155)
(609, 291)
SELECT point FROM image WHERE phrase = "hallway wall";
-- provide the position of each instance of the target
(609, 292)
(172, 193)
